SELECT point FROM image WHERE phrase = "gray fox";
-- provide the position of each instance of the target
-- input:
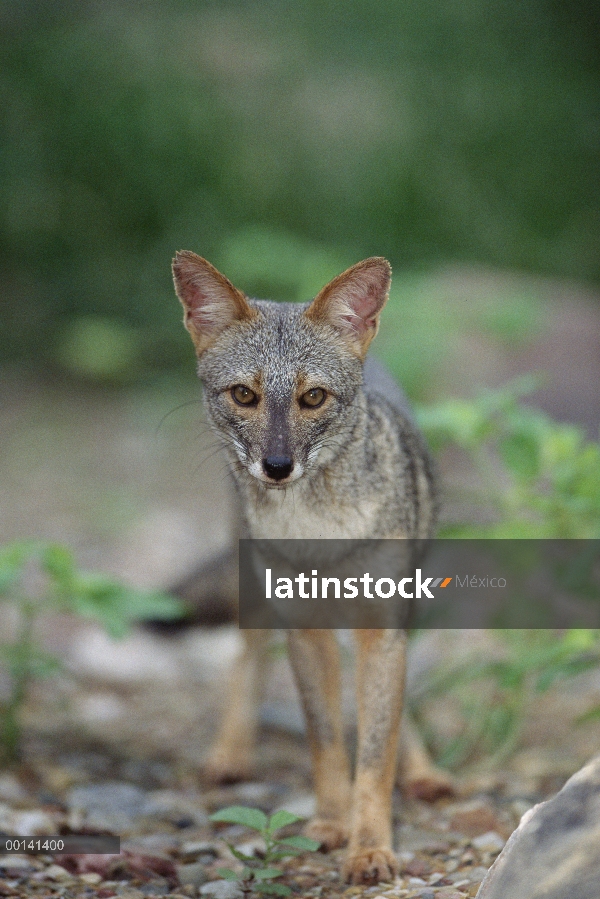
(320, 444)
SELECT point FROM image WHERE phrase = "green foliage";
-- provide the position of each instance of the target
(494, 694)
(256, 874)
(419, 130)
(89, 595)
(534, 477)
(531, 477)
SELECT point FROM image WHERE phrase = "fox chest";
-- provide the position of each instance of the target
(285, 516)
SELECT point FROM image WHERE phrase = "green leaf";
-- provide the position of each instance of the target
(282, 819)
(521, 454)
(227, 874)
(241, 814)
(304, 844)
(58, 562)
(273, 889)
(283, 853)
(267, 873)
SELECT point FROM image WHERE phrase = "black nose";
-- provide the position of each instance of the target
(278, 467)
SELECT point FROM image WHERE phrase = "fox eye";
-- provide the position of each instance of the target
(243, 396)
(313, 398)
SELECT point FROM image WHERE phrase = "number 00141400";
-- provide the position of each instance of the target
(32, 844)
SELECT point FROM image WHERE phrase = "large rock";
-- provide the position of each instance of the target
(555, 851)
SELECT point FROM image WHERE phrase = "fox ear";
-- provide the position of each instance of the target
(351, 303)
(210, 300)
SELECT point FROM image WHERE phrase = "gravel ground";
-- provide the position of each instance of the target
(112, 746)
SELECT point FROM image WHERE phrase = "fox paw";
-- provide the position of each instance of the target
(370, 866)
(330, 834)
(222, 768)
(432, 785)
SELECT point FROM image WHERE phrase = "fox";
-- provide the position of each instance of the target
(320, 444)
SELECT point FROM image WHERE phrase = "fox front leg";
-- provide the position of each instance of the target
(232, 755)
(381, 662)
(314, 655)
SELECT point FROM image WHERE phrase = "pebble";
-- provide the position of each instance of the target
(194, 874)
(15, 862)
(91, 878)
(32, 823)
(156, 888)
(10, 789)
(108, 806)
(193, 848)
(252, 847)
(477, 874)
(57, 872)
(169, 805)
(222, 889)
(473, 818)
(418, 867)
(489, 842)
(253, 793)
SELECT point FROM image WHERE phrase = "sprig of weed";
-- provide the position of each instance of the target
(257, 873)
(534, 477)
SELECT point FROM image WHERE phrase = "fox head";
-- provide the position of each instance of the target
(281, 380)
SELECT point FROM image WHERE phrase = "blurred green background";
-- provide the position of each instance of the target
(283, 141)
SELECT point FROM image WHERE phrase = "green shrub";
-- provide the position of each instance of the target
(86, 594)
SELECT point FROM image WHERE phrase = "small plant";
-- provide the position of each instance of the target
(65, 589)
(533, 477)
(494, 693)
(257, 874)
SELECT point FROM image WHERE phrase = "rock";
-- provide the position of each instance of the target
(156, 888)
(110, 806)
(91, 879)
(253, 847)
(194, 874)
(222, 889)
(171, 806)
(253, 793)
(32, 823)
(56, 872)
(194, 848)
(11, 789)
(474, 818)
(489, 842)
(476, 874)
(412, 838)
(15, 863)
(555, 851)
(417, 867)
